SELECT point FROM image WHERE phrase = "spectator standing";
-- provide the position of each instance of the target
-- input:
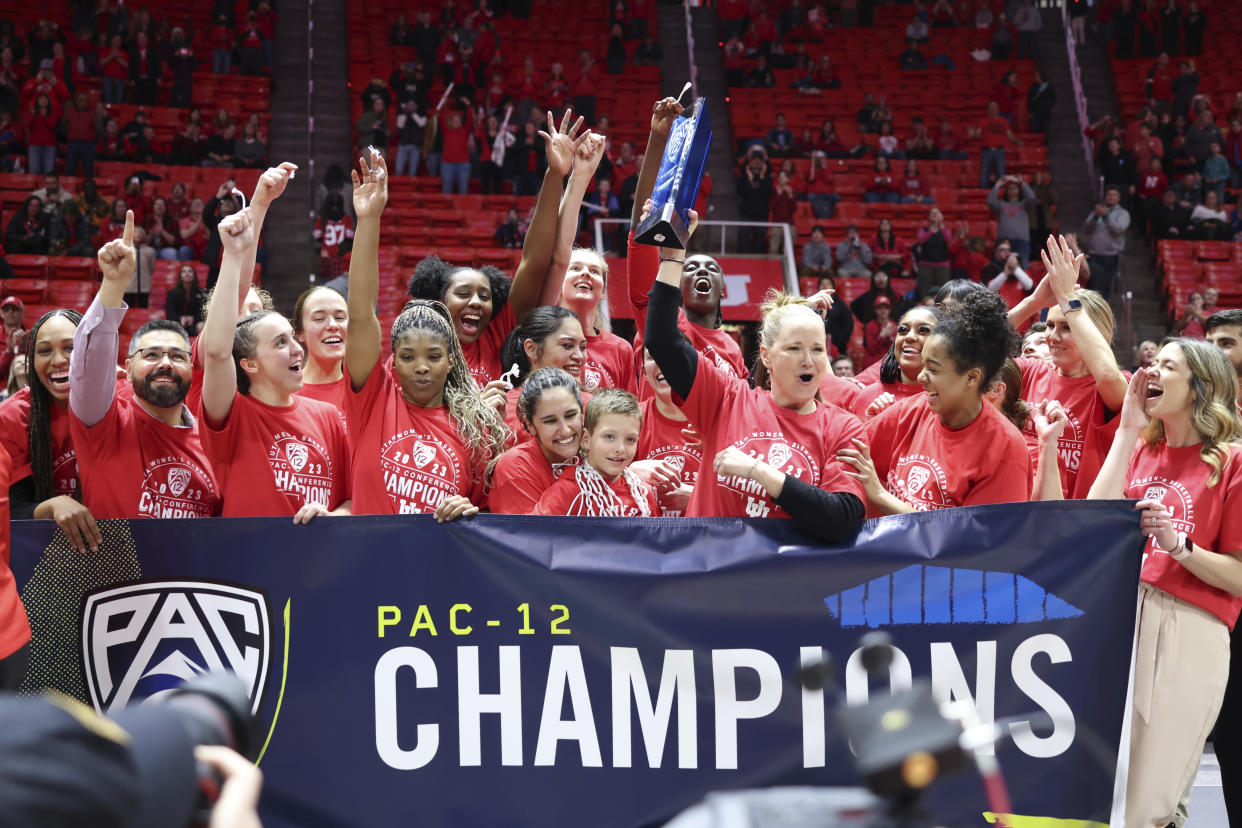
(1193, 26)
(1215, 173)
(1105, 233)
(993, 131)
(455, 162)
(1170, 27)
(114, 63)
(373, 127)
(1117, 166)
(1042, 213)
(41, 137)
(1200, 137)
(410, 126)
(1040, 98)
(1012, 213)
(183, 63)
(1184, 88)
(250, 46)
(222, 44)
(754, 189)
(144, 69)
(1028, 22)
(79, 123)
(781, 209)
(932, 250)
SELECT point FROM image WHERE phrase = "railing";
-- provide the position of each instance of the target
(694, 69)
(1080, 103)
(707, 229)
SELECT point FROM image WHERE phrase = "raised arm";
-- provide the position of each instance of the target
(363, 338)
(586, 162)
(270, 187)
(238, 238)
(663, 115)
(668, 346)
(92, 366)
(560, 144)
(1062, 265)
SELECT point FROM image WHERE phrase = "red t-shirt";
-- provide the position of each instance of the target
(1212, 518)
(135, 466)
(661, 439)
(566, 497)
(840, 391)
(1085, 442)
(521, 477)
(870, 374)
(804, 446)
(406, 459)
(15, 438)
(483, 355)
(332, 393)
(900, 390)
(14, 627)
(271, 461)
(609, 364)
(332, 233)
(995, 131)
(930, 466)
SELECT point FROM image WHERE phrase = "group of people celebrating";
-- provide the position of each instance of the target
(512, 395)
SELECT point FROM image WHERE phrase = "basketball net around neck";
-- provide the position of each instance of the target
(596, 497)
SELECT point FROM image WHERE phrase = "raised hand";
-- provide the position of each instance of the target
(117, 258)
(237, 232)
(822, 301)
(677, 252)
(370, 186)
(272, 183)
(1062, 264)
(561, 143)
(879, 404)
(590, 153)
(1132, 414)
(663, 114)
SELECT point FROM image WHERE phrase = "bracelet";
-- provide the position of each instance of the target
(1180, 552)
(753, 465)
(672, 259)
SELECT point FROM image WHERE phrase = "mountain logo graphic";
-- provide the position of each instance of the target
(141, 640)
(946, 595)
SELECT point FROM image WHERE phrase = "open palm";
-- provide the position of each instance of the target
(370, 186)
(561, 142)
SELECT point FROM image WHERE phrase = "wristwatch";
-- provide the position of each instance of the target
(1071, 306)
(1183, 549)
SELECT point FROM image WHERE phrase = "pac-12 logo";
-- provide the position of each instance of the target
(142, 640)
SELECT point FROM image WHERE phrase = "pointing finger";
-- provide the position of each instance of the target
(128, 235)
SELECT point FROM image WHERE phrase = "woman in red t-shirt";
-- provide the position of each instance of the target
(320, 323)
(422, 434)
(549, 407)
(603, 485)
(899, 370)
(484, 305)
(274, 453)
(666, 460)
(1176, 451)
(610, 359)
(773, 447)
(549, 337)
(878, 334)
(948, 447)
(34, 430)
(1083, 374)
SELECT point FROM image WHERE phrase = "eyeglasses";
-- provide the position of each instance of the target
(154, 356)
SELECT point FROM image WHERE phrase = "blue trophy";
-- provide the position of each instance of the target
(677, 183)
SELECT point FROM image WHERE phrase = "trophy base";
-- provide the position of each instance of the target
(664, 228)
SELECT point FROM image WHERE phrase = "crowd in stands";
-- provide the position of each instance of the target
(113, 84)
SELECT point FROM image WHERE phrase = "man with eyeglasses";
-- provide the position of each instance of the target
(138, 456)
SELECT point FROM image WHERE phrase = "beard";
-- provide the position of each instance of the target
(162, 396)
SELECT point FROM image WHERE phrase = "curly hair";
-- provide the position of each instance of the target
(978, 334)
(479, 426)
(1214, 384)
(265, 299)
(538, 325)
(778, 308)
(39, 423)
(432, 277)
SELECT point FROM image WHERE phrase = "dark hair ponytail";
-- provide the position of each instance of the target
(544, 379)
(538, 325)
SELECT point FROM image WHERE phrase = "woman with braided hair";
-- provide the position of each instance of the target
(549, 407)
(34, 430)
(423, 437)
(603, 485)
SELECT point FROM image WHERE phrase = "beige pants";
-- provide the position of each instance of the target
(1181, 666)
